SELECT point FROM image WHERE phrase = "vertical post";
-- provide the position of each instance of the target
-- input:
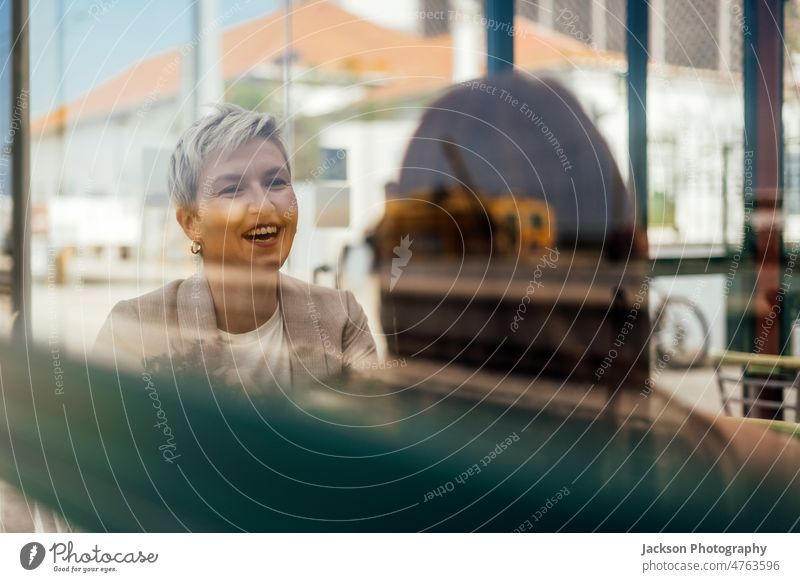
(763, 135)
(288, 122)
(724, 36)
(467, 33)
(637, 53)
(599, 19)
(208, 84)
(726, 152)
(499, 36)
(20, 173)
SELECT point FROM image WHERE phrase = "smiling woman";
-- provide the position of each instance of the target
(238, 318)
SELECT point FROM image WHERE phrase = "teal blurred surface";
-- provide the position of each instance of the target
(360, 455)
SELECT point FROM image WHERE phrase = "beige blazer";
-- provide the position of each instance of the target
(326, 329)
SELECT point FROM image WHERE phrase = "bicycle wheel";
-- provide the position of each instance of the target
(680, 334)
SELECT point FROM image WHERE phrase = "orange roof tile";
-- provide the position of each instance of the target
(327, 38)
(535, 47)
(141, 85)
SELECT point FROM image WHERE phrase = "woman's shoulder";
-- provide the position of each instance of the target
(301, 298)
(294, 286)
(136, 327)
(163, 297)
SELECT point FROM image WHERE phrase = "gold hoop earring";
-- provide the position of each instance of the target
(195, 248)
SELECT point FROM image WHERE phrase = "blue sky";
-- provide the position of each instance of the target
(93, 40)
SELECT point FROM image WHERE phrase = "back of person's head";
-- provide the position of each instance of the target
(513, 227)
(523, 138)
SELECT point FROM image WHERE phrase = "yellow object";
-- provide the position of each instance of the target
(459, 223)
(522, 223)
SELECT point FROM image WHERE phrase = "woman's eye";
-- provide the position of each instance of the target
(229, 190)
(277, 183)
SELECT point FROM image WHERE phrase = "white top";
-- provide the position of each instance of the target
(261, 356)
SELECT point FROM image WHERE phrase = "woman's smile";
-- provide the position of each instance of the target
(264, 235)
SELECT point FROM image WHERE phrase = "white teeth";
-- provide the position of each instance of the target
(262, 230)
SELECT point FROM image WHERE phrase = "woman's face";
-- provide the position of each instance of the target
(246, 210)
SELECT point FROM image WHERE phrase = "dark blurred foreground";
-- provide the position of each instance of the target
(119, 452)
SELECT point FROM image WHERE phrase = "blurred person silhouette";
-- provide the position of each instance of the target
(525, 282)
(238, 318)
(514, 225)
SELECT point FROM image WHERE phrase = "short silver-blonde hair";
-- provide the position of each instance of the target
(220, 132)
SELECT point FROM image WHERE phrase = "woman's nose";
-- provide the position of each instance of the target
(260, 201)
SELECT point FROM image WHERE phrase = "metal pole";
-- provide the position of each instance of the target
(20, 173)
(288, 122)
(763, 135)
(726, 152)
(499, 36)
(288, 133)
(209, 87)
(197, 18)
(637, 55)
